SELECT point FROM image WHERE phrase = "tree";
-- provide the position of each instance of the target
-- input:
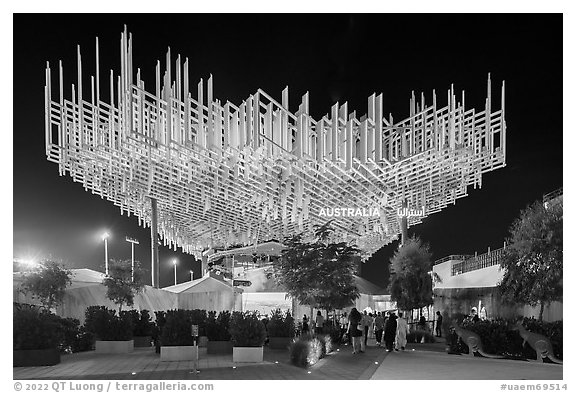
(411, 275)
(120, 287)
(47, 282)
(533, 257)
(320, 273)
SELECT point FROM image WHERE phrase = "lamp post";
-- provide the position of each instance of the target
(175, 262)
(133, 241)
(105, 238)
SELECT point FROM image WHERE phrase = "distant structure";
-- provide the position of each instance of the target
(468, 281)
(202, 173)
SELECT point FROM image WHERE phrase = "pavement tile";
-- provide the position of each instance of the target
(341, 364)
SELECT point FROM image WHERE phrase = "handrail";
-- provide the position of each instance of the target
(452, 258)
(478, 262)
(552, 195)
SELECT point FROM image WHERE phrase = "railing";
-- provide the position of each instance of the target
(478, 262)
(552, 195)
(453, 258)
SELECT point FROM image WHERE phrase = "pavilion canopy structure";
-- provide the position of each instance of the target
(226, 173)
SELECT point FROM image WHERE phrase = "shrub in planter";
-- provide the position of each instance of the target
(281, 329)
(305, 351)
(247, 335)
(176, 337)
(141, 326)
(199, 317)
(497, 337)
(97, 319)
(36, 337)
(281, 324)
(216, 327)
(75, 338)
(177, 329)
(334, 332)
(107, 326)
(84, 341)
(552, 330)
(326, 344)
(157, 328)
(217, 332)
(246, 329)
(416, 337)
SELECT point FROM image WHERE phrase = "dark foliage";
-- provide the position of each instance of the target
(120, 288)
(47, 282)
(247, 330)
(141, 322)
(36, 329)
(533, 259)
(499, 337)
(411, 282)
(75, 338)
(177, 329)
(306, 350)
(105, 325)
(319, 273)
(217, 327)
(416, 337)
(281, 324)
(334, 332)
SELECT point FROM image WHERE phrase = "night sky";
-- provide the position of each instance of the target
(336, 58)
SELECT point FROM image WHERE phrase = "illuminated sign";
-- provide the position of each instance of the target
(349, 212)
(405, 212)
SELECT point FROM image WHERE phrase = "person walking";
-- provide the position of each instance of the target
(438, 324)
(379, 328)
(355, 330)
(401, 332)
(365, 322)
(319, 323)
(390, 331)
(305, 327)
(343, 322)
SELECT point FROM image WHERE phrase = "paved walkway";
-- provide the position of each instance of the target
(431, 365)
(144, 363)
(375, 363)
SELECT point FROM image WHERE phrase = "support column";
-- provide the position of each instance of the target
(204, 266)
(155, 265)
(404, 223)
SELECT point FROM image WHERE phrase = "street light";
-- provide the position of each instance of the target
(133, 241)
(175, 262)
(105, 238)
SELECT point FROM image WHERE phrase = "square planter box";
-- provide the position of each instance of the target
(142, 341)
(179, 353)
(114, 346)
(202, 341)
(279, 342)
(248, 354)
(219, 347)
(36, 357)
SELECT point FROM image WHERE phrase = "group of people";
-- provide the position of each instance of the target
(389, 328)
(317, 324)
